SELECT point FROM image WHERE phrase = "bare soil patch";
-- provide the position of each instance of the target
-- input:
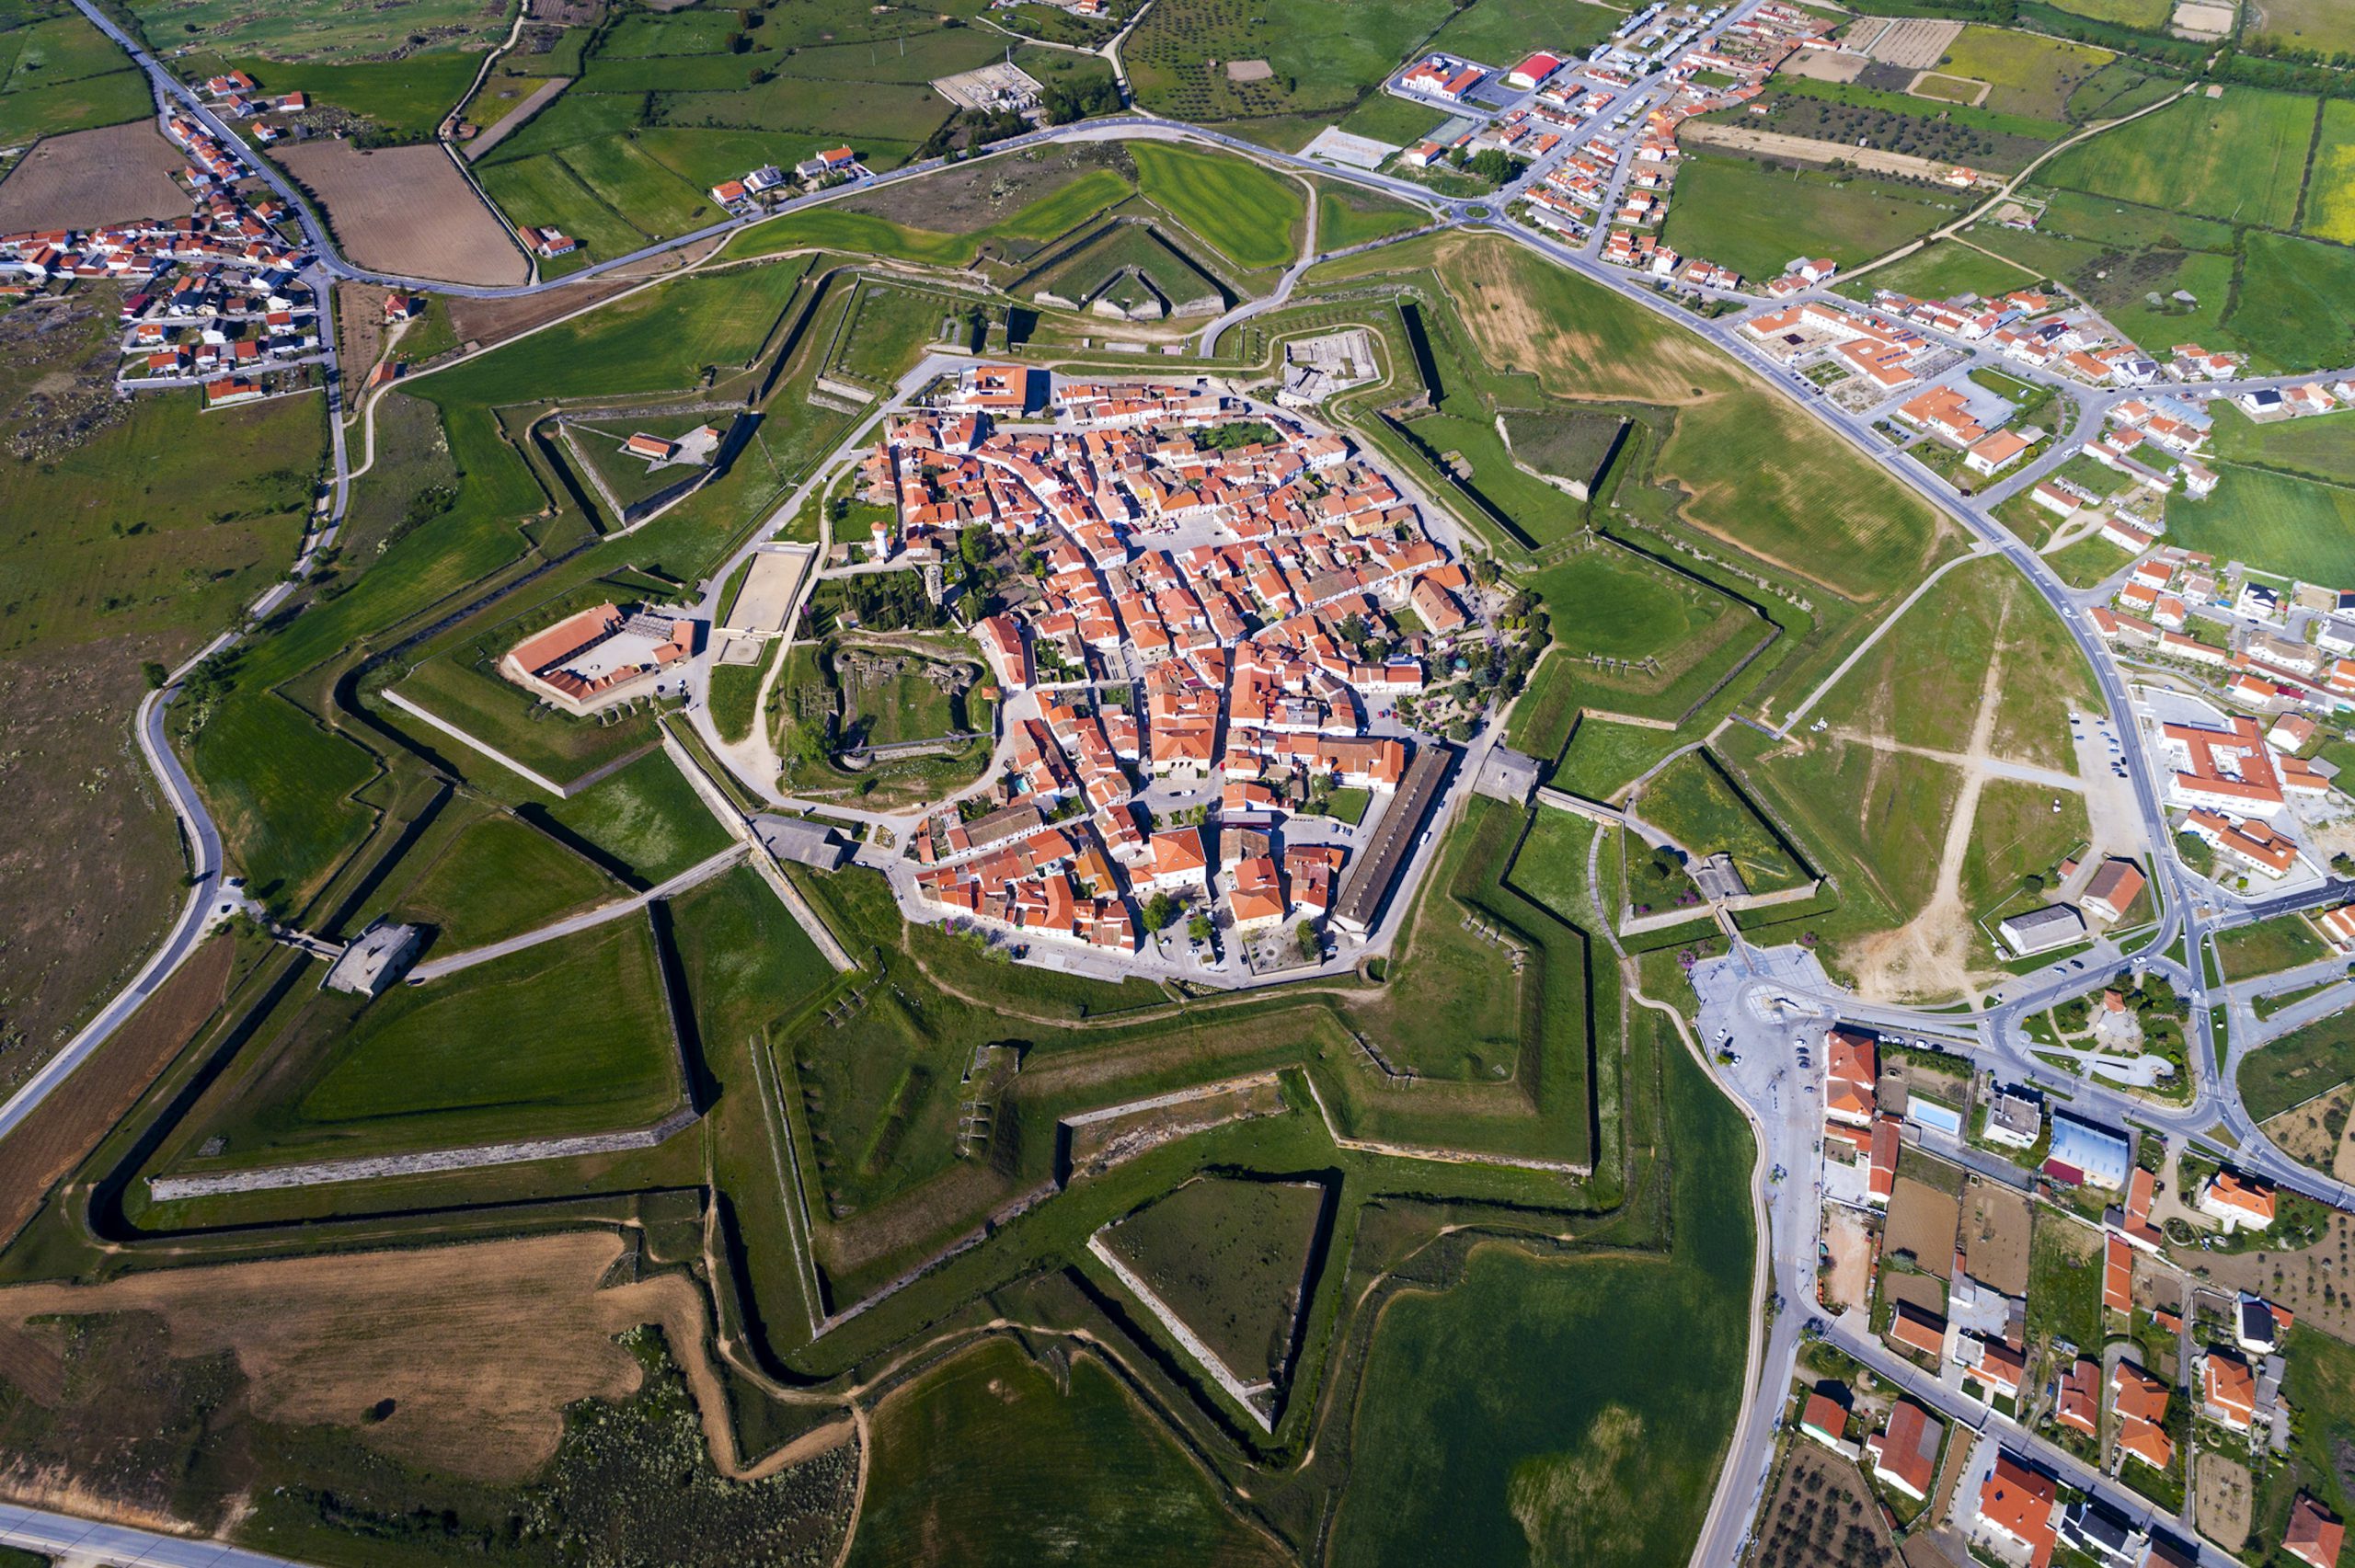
(1994, 1234)
(60, 1133)
(1823, 65)
(486, 322)
(89, 862)
(1921, 1222)
(2227, 1503)
(2318, 1283)
(359, 328)
(1849, 1236)
(89, 178)
(1249, 71)
(479, 1347)
(407, 210)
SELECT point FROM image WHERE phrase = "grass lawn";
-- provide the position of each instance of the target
(1393, 120)
(1452, 1007)
(1346, 216)
(2289, 309)
(2275, 522)
(2294, 1069)
(1695, 803)
(280, 786)
(975, 1459)
(1228, 1256)
(462, 686)
(1740, 213)
(2240, 157)
(734, 688)
(1604, 757)
(2125, 13)
(495, 879)
(41, 108)
(1251, 216)
(746, 960)
(1609, 603)
(1349, 805)
(648, 817)
(1609, 1460)
(2267, 947)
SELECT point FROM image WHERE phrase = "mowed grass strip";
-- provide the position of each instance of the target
(2294, 1069)
(2240, 157)
(1251, 216)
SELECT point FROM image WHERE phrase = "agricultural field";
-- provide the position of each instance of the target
(404, 98)
(2320, 446)
(85, 178)
(1945, 270)
(2329, 209)
(2240, 158)
(324, 30)
(2319, 25)
(2026, 74)
(1499, 32)
(1322, 56)
(2287, 308)
(407, 211)
(1741, 213)
(1347, 217)
(59, 75)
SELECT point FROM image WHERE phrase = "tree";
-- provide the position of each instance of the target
(156, 675)
(973, 545)
(1198, 928)
(1312, 945)
(1159, 911)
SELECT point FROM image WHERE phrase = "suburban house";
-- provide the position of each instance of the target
(1905, 1453)
(2017, 1504)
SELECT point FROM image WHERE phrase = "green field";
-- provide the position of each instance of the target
(564, 1038)
(2240, 157)
(1607, 1460)
(2294, 1069)
(2275, 522)
(1346, 217)
(746, 960)
(2330, 212)
(2290, 307)
(2323, 25)
(1740, 213)
(646, 817)
(974, 1463)
(1613, 604)
(2322, 446)
(1564, 443)
(2029, 75)
(495, 879)
(1248, 215)
(2125, 13)
(1228, 1256)
(1501, 33)
(1323, 54)
(1693, 801)
(1944, 270)
(409, 96)
(58, 74)
(2270, 945)
(1922, 683)
(320, 30)
(1392, 120)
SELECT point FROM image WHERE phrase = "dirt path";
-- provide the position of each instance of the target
(1806, 149)
(1988, 766)
(1929, 955)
